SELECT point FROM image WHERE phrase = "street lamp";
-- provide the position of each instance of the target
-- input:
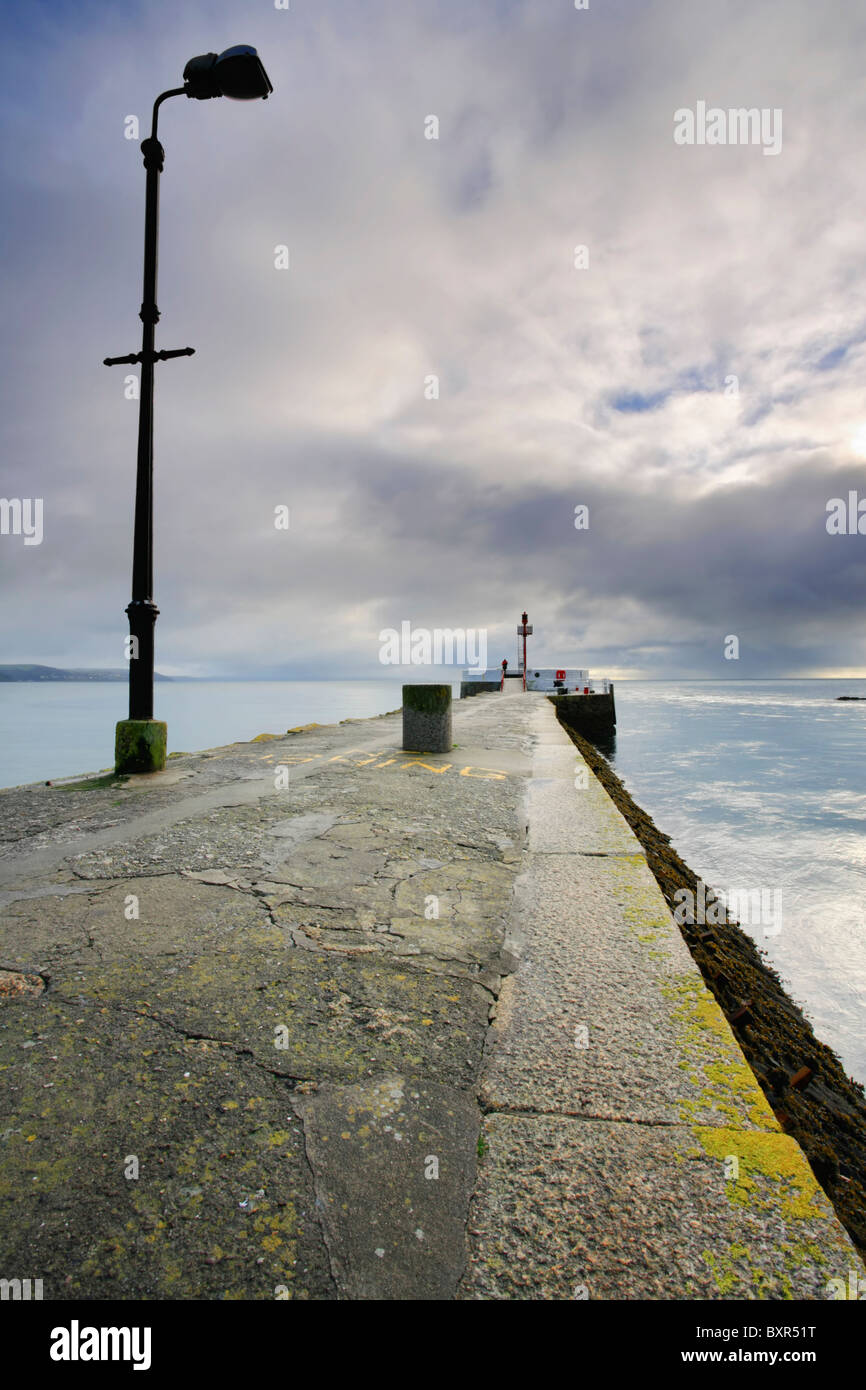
(140, 740)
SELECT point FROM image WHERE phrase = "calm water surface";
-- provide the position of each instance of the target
(60, 728)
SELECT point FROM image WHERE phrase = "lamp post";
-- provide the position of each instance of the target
(524, 631)
(140, 740)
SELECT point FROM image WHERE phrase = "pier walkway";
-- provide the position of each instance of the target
(312, 1017)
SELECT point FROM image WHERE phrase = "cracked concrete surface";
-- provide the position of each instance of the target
(211, 978)
(246, 1042)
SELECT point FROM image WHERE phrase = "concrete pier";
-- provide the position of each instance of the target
(593, 716)
(313, 1017)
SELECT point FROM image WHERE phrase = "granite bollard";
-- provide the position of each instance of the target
(427, 718)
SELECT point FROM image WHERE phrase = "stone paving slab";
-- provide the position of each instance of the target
(394, 1164)
(608, 1016)
(576, 1209)
(564, 819)
(559, 821)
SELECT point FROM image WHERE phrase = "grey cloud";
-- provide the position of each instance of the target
(413, 257)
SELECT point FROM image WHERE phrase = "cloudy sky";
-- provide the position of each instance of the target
(699, 385)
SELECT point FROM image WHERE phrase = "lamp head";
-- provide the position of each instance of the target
(237, 73)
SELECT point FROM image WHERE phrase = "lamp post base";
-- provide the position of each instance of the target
(139, 745)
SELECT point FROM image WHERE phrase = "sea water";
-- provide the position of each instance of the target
(761, 785)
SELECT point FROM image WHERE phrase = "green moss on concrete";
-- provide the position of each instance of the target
(122, 1086)
(94, 784)
(427, 699)
(342, 1017)
(727, 1270)
(724, 1081)
(773, 1172)
(140, 745)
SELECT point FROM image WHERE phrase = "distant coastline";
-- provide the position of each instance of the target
(58, 673)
